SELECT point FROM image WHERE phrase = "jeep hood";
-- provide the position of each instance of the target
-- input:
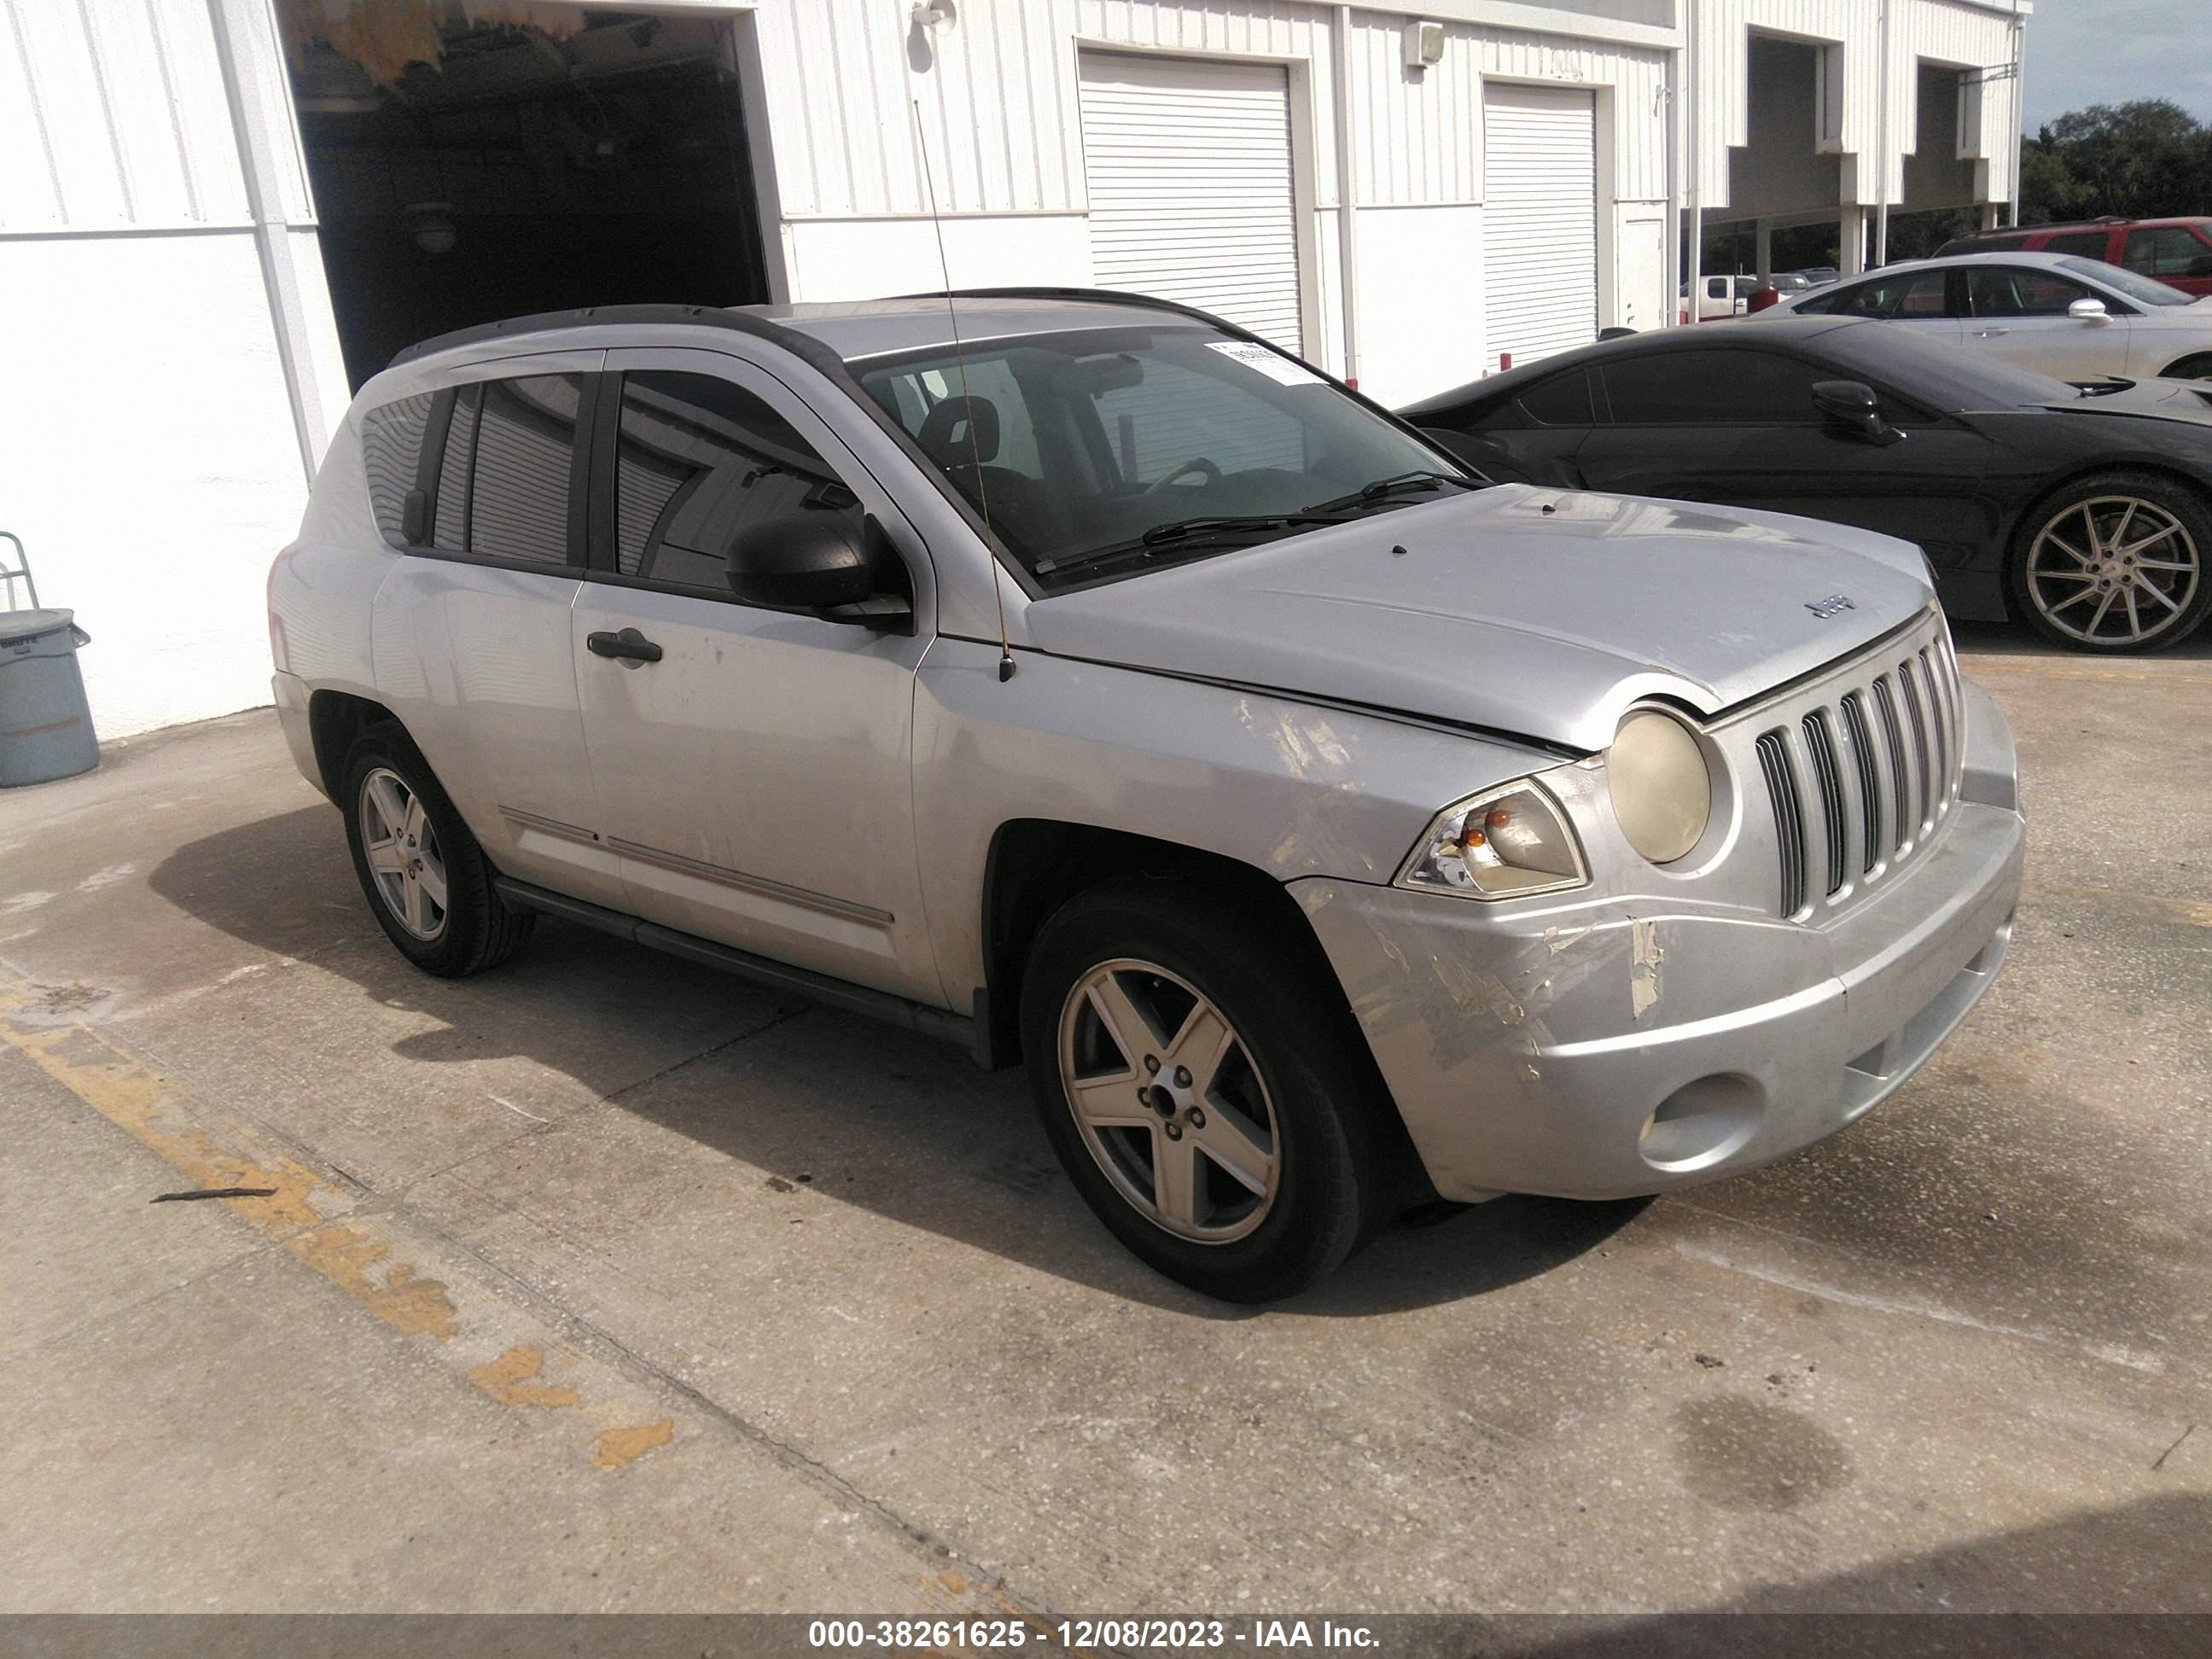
(1534, 612)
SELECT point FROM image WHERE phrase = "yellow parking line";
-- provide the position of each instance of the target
(367, 1258)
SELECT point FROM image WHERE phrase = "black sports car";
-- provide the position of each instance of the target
(2086, 509)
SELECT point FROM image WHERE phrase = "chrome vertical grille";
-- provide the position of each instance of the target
(1861, 737)
(1860, 766)
(1900, 789)
(1939, 694)
(1828, 783)
(1917, 737)
(1788, 819)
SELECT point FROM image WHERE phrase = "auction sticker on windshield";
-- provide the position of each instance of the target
(1274, 365)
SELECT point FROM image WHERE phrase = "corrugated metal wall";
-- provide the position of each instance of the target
(113, 117)
(1952, 31)
(997, 107)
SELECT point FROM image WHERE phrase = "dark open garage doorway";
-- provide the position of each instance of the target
(584, 157)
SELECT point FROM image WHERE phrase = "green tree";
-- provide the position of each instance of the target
(2143, 160)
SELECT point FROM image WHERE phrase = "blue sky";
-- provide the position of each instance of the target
(2107, 51)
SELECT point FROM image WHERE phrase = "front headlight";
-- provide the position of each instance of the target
(1506, 842)
(1662, 788)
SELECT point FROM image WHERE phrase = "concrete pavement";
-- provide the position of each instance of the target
(604, 1282)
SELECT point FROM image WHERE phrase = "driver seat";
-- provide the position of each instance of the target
(960, 434)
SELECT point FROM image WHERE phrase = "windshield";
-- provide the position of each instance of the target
(1092, 452)
(2141, 289)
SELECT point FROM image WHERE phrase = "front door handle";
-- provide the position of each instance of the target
(629, 646)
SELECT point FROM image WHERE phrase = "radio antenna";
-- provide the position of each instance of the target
(967, 402)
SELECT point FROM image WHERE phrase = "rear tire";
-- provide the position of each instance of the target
(427, 881)
(1201, 1090)
(2114, 562)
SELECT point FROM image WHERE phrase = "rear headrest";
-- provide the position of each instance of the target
(945, 436)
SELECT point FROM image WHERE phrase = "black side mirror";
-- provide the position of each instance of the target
(813, 561)
(1852, 405)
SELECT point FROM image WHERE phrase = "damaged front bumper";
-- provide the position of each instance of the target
(1612, 1048)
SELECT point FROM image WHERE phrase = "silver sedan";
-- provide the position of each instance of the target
(2068, 318)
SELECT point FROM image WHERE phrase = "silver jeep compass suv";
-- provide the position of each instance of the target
(1084, 680)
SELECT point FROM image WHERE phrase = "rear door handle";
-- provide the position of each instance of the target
(629, 646)
(1991, 333)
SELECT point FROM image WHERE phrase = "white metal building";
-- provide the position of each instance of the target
(217, 216)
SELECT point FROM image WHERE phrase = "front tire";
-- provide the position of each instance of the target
(2115, 562)
(427, 881)
(1200, 1087)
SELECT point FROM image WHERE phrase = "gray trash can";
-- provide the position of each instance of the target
(46, 728)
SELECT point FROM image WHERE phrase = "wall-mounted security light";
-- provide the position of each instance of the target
(1425, 44)
(431, 224)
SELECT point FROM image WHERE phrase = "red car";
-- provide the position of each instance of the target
(2175, 252)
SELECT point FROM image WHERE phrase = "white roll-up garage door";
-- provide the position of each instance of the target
(1188, 164)
(1539, 221)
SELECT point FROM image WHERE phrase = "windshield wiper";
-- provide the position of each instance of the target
(1214, 523)
(1180, 531)
(1382, 488)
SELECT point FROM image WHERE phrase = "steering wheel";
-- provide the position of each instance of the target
(1195, 464)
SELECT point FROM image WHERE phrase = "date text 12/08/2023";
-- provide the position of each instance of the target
(1078, 1635)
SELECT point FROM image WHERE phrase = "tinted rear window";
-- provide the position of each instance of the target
(1912, 294)
(2087, 244)
(1563, 400)
(392, 456)
(526, 441)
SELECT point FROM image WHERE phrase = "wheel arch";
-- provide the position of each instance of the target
(335, 721)
(2200, 362)
(2152, 465)
(1036, 864)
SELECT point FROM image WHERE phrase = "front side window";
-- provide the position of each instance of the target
(1096, 453)
(1718, 386)
(2017, 291)
(699, 459)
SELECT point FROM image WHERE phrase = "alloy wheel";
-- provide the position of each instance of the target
(2114, 570)
(408, 869)
(1169, 1101)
